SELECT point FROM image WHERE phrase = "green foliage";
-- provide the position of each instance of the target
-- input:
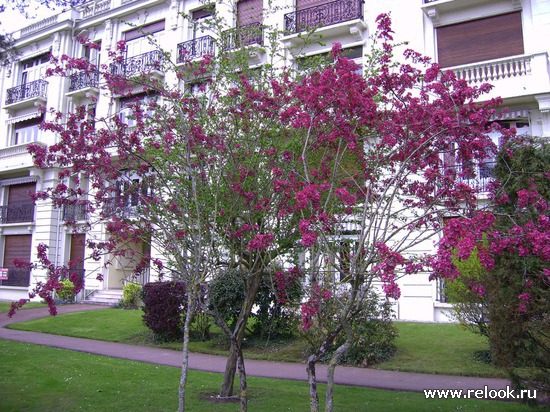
(131, 295)
(373, 334)
(271, 318)
(66, 294)
(469, 307)
(226, 294)
(519, 339)
(200, 327)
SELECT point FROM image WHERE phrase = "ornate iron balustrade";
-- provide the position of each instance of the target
(242, 36)
(195, 49)
(323, 15)
(82, 80)
(74, 213)
(17, 277)
(135, 65)
(17, 213)
(429, 1)
(479, 177)
(25, 91)
(120, 208)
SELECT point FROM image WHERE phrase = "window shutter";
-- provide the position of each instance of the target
(480, 40)
(249, 11)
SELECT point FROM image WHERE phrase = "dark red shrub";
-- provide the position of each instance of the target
(164, 306)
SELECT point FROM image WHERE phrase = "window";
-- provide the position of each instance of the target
(27, 131)
(141, 40)
(129, 104)
(307, 63)
(480, 40)
(33, 69)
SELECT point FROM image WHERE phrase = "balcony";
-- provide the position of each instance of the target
(27, 95)
(251, 34)
(332, 19)
(145, 63)
(513, 76)
(478, 176)
(74, 213)
(121, 207)
(195, 49)
(17, 277)
(324, 15)
(17, 213)
(83, 84)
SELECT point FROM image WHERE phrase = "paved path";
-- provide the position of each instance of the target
(372, 378)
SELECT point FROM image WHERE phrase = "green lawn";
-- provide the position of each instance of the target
(6, 305)
(36, 378)
(422, 347)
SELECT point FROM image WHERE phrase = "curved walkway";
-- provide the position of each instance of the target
(372, 378)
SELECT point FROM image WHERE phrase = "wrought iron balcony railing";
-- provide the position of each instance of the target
(82, 80)
(17, 277)
(74, 213)
(135, 65)
(121, 207)
(477, 176)
(242, 36)
(31, 90)
(17, 213)
(323, 15)
(195, 49)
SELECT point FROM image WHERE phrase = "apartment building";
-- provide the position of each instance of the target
(503, 42)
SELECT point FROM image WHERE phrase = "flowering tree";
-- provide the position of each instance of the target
(374, 188)
(513, 245)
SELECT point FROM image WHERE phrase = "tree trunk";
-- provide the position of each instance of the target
(312, 380)
(330, 374)
(185, 361)
(229, 374)
(242, 381)
(238, 335)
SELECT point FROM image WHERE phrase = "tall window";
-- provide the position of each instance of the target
(129, 104)
(27, 131)
(33, 69)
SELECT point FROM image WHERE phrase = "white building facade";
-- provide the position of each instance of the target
(502, 42)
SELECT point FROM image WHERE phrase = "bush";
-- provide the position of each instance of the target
(164, 306)
(374, 334)
(131, 295)
(271, 318)
(66, 294)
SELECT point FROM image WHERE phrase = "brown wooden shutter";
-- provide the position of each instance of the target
(21, 193)
(480, 40)
(304, 4)
(16, 247)
(78, 249)
(144, 31)
(249, 11)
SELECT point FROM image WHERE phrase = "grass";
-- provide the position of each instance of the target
(439, 348)
(36, 378)
(421, 347)
(6, 305)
